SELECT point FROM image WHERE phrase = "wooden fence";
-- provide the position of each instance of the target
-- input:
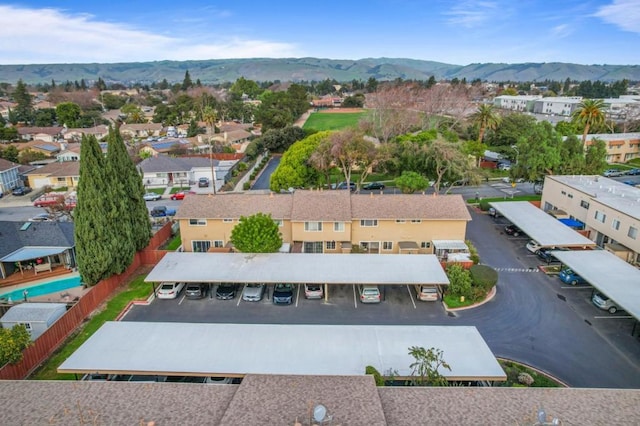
(55, 335)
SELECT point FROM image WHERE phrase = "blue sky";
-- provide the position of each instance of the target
(455, 32)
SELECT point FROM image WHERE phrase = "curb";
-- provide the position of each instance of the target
(537, 370)
(489, 298)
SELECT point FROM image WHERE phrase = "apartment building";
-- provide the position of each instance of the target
(516, 103)
(560, 105)
(621, 147)
(329, 221)
(609, 209)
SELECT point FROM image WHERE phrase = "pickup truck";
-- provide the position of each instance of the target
(162, 211)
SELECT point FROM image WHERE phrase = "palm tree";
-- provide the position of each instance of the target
(486, 118)
(590, 112)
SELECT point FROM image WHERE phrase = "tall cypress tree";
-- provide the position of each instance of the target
(119, 214)
(136, 208)
(92, 229)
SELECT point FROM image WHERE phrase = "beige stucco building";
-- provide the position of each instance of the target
(621, 147)
(329, 221)
(609, 209)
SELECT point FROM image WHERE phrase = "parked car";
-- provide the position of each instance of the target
(546, 255)
(369, 294)
(533, 246)
(283, 294)
(612, 173)
(23, 190)
(512, 230)
(48, 200)
(504, 166)
(313, 291)
(169, 290)
(178, 195)
(162, 211)
(629, 182)
(603, 302)
(152, 196)
(226, 291)
(42, 217)
(427, 293)
(253, 292)
(494, 213)
(633, 172)
(567, 275)
(195, 290)
(373, 186)
(343, 185)
(203, 182)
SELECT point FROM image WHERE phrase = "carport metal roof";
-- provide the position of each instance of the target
(545, 229)
(300, 268)
(27, 253)
(238, 349)
(609, 274)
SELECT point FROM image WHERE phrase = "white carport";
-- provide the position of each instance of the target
(540, 226)
(609, 274)
(234, 350)
(297, 268)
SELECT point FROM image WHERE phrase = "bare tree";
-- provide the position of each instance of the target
(447, 160)
(352, 152)
(322, 159)
(444, 102)
(391, 113)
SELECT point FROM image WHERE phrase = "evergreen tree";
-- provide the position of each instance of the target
(187, 83)
(23, 112)
(92, 231)
(120, 214)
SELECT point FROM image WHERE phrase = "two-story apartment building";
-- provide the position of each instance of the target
(609, 209)
(516, 103)
(329, 221)
(621, 147)
(559, 105)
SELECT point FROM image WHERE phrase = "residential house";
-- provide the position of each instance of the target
(609, 210)
(516, 103)
(163, 170)
(621, 147)
(47, 148)
(75, 134)
(559, 105)
(47, 134)
(55, 175)
(165, 146)
(329, 221)
(141, 130)
(5, 107)
(36, 317)
(22, 243)
(71, 152)
(9, 176)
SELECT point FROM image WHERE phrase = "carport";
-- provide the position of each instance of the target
(234, 350)
(609, 274)
(298, 268)
(546, 230)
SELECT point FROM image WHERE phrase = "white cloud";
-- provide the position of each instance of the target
(55, 36)
(561, 30)
(623, 13)
(471, 13)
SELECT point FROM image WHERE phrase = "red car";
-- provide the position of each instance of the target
(178, 195)
(48, 200)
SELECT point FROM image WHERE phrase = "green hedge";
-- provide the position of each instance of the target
(483, 276)
(376, 375)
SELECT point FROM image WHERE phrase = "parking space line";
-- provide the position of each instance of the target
(181, 300)
(355, 299)
(297, 294)
(411, 297)
(613, 317)
(575, 287)
(240, 297)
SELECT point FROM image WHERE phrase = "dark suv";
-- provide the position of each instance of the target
(203, 182)
(512, 230)
(283, 294)
(226, 291)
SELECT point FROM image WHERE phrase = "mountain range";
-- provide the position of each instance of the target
(298, 69)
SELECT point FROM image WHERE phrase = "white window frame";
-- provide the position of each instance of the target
(280, 222)
(584, 204)
(197, 222)
(338, 226)
(369, 223)
(218, 243)
(414, 221)
(317, 227)
(401, 221)
(227, 220)
(425, 244)
(387, 245)
(615, 224)
(200, 242)
(632, 233)
(600, 216)
(330, 245)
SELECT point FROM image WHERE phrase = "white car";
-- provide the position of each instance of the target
(152, 196)
(533, 246)
(169, 290)
(313, 291)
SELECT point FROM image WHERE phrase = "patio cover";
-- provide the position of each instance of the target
(26, 253)
(408, 245)
(228, 350)
(450, 245)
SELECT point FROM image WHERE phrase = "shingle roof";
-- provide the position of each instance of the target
(7, 165)
(166, 164)
(409, 206)
(321, 205)
(234, 205)
(43, 234)
(32, 312)
(35, 130)
(141, 126)
(61, 169)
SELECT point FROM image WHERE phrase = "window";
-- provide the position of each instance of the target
(197, 222)
(338, 226)
(615, 224)
(200, 246)
(563, 192)
(570, 195)
(425, 244)
(61, 180)
(312, 247)
(600, 217)
(416, 221)
(227, 220)
(218, 244)
(387, 245)
(369, 222)
(279, 222)
(313, 226)
(331, 245)
(400, 221)
(584, 204)
(633, 233)
(27, 325)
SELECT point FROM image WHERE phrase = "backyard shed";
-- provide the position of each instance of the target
(37, 317)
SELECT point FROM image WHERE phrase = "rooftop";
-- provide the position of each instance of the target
(32, 312)
(58, 168)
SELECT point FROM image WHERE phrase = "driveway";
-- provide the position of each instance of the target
(263, 181)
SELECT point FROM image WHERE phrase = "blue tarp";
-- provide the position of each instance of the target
(572, 223)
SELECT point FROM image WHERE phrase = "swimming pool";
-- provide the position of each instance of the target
(42, 289)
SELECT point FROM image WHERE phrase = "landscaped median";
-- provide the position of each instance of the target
(137, 289)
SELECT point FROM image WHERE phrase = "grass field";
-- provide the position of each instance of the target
(333, 121)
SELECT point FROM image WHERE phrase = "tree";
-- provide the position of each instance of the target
(12, 342)
(28, 155)
(426, 368)
(92, 231)
(596, 157)
(446, 160)
(485, 118)
(322, 160)
(294, 170)
(459, 281)
(242, 86)
(410, 182)
(590, 113)
(279, 140)
(10, 153)
(23, 111)
(572, 155)
(186, 83)
(134, 114)
(68, 114)
(539, 153)
(44, 117)
(352, 152)
(258, 233)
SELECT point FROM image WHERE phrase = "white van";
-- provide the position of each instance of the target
(427, 293)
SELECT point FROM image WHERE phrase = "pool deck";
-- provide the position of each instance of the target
(63, 296)
(29, 277)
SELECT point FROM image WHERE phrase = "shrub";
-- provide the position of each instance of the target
(234, 173)
(459, 281)
(484, 205)
(242, 167)
(483, 276)
(473, 253)
(246, 186)
(376, 375)
(525, 379)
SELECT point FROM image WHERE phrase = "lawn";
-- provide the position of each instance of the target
(156, 190)
(332, 121)
(174, 243)
(137, 289)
